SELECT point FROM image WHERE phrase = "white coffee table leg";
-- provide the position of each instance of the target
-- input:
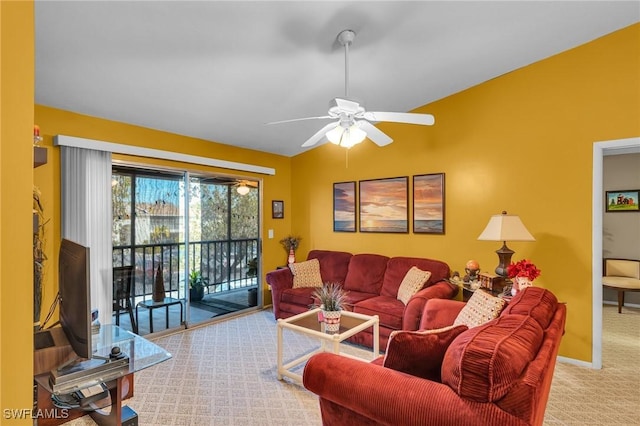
(279, 355)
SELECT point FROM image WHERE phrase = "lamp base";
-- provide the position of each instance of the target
(504, 256)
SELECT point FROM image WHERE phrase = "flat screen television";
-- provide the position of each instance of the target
(74, 285)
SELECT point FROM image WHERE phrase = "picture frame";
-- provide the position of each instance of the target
(277, 209)
(428, 204)
(626, 200)
(384, 205)
(344, 206)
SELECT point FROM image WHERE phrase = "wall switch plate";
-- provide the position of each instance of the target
(270, 233)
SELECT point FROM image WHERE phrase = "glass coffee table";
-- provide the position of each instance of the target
(307, 323)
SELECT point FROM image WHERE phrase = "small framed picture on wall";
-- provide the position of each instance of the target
(277, 209)
(623, 201)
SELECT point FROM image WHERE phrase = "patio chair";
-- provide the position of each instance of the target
(123, 293)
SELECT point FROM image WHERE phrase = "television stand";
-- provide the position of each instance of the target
(140, 354)
(107, 412)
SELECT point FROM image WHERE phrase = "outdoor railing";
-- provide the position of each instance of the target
(223, 262)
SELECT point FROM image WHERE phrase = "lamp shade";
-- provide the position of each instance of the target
(505, 227)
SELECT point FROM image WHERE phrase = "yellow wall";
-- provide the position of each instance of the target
(522, 143)
(54, 122)
(16, 171)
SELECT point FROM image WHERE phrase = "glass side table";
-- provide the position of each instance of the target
(96, 372)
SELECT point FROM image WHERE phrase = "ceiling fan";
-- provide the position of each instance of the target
(353, 122)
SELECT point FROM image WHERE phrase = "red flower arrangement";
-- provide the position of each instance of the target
(523, 268)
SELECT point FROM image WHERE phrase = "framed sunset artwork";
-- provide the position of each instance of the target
(344, 207)
(428, 204)
(384, 205)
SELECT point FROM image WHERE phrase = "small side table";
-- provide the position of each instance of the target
(151, 305)
(467, 292)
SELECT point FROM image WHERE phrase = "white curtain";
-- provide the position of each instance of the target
(86, 217)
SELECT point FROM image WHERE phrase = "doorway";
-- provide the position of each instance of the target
(600, 149)
(194, 237)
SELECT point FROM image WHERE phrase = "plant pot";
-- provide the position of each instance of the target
(520, 283)
(196, 294)
(252, 297)
(331, 321)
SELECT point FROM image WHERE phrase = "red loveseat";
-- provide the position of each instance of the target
(498, 373)
(372, 281)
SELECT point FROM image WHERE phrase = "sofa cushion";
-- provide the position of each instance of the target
(302, 296)
(412, 282)
(333, 264)
(481, 308)
(366, 272)
(420, 353)
(397, 268)
(539, 303)
(306, 274)
(388, 309)
(483, 363)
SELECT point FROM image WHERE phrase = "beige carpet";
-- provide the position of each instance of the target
(224, 374)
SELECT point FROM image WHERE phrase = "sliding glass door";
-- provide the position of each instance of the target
(209, 266)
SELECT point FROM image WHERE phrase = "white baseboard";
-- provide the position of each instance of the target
(626, 305)
(577, 362)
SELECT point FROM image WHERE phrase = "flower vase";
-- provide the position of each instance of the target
(331, 321)
(292, 257)
(520, 283)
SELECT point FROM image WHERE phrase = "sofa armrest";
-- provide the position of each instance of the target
(279, 280)
(440, 313)
(414, 310)
(390, 397)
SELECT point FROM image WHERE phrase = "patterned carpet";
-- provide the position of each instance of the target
(224, 374)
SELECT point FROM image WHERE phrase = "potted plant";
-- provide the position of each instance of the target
(522, 273)
(196, 285)
(252, 271)
(332, 300)
(290, 244)
(252, 267)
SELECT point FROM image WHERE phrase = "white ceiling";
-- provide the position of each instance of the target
(220, 70)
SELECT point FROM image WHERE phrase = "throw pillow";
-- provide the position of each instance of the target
(412, 283)
(420, 353)
(306, 274)
(481, 308)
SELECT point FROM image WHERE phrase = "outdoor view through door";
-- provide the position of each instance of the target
(209, 267)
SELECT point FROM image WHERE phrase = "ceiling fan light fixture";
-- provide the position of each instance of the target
(346, 137)
(242, 189)
(334, 135)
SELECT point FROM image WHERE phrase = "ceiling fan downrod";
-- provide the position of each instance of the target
(345, 38)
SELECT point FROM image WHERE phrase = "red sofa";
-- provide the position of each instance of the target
(498, 373)
(372, 281)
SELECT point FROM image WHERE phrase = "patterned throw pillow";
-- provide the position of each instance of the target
(420, 353)
(306, 274)
(481, 308)
(412, 283)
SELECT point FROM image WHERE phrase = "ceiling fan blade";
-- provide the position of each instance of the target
(374, 134)
(319, 135)
(400, 117)
(324, 117)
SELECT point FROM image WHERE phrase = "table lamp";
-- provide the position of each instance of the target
(505, 227)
